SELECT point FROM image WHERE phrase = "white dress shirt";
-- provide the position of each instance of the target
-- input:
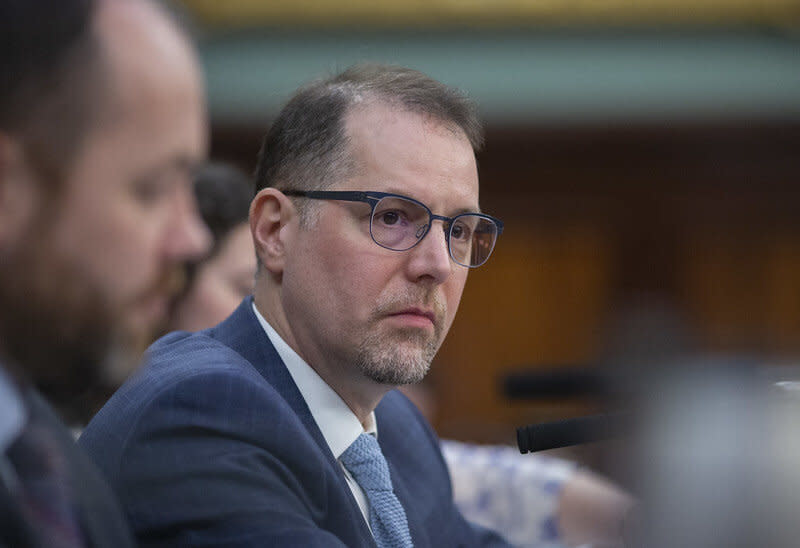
(339, 425)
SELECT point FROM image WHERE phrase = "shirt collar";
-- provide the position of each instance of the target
(12, 411)
(339, 425)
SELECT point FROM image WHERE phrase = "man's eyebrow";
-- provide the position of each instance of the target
(184, 162)
(466, 210)
(180, 164)
(461, 211)
(455, 212)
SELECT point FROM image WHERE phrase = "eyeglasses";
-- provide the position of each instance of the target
(399, 223)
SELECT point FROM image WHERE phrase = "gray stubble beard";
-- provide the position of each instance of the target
(395, 361)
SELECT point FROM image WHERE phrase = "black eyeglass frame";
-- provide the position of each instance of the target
(372, 198)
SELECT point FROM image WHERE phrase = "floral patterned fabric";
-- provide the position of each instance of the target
(514, 494)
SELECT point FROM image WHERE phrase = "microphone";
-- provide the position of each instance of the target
(566, 382)
(563, 433)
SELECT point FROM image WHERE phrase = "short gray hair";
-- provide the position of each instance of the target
(306, 146)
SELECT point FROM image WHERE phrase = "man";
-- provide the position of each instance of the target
(262, 430)
(101, 117)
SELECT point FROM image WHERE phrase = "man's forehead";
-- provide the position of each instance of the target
(383, 136)
(145, 52)
(361, 118)
(393, 130)
(153, 77)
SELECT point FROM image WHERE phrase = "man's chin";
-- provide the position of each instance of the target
(125, 353)
(67, 343)
(148, 315)
(398, 360)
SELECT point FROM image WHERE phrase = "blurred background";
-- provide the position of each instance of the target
(644, 155)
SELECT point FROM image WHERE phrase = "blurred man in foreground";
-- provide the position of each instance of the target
(101, 117)
(280, 426)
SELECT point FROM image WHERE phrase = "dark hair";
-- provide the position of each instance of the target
(306, 147)
(50, 71)
(223, 195)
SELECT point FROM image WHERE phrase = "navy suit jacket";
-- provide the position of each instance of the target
(212, 444)
(96, 509)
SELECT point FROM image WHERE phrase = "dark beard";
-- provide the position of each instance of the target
(55, 329)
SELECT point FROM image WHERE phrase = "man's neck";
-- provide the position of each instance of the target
(362, 395)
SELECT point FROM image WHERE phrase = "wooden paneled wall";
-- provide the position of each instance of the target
(539, 300)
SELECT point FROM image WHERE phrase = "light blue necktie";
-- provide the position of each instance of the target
(387, 518)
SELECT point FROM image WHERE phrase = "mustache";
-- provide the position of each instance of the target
(413, 297)
(170, 283)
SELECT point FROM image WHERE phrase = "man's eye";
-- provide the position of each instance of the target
(149, 191)
(459, 232)
(389, 218)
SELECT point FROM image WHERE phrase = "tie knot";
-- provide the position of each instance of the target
(366, 462)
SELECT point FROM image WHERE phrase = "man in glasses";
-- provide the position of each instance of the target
(280, 426)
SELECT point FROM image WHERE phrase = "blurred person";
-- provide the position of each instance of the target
(218, 283)
(213, 285)
(101, 117)
(531, 499)
(280, 425)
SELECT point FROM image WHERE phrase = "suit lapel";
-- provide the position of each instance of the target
(98, 511)
(242, 332)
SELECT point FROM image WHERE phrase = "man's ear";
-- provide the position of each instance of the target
(19, 190)
(271, 213)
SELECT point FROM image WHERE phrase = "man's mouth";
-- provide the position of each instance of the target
(415, 317)
(158, 299)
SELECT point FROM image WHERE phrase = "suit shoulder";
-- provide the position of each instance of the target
(186, 379)
(179, 357)
(193, 351)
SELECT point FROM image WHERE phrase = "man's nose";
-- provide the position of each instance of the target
(188, 237)
(430, 258)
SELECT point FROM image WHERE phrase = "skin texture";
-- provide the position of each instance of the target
(99, 257)
(220, 284)
(367, 318)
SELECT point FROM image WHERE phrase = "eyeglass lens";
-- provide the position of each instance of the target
(399, 224)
